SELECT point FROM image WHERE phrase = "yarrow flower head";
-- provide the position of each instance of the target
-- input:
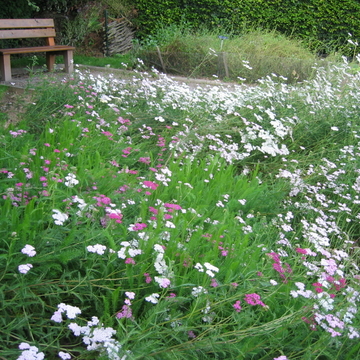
(71, 312)
(153, 298)
(237, 306)
(64, 355)
(71, 180)
(30, 352)
(253, 299)
(98, 249)
(59, 217)
(24, 268)
(162, 281)
(98, 338)
(28, 250)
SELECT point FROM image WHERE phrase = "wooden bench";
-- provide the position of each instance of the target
(32, 28)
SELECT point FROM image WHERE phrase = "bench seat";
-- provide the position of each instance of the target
(36, 49)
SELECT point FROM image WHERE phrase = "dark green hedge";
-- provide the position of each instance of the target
(322, 23)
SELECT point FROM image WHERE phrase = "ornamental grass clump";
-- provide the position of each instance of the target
(145, 219)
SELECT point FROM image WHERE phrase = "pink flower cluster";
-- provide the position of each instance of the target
(251, 299)
(282, 269)
(126, 311)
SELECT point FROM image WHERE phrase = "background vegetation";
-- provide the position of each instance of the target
(323, 25)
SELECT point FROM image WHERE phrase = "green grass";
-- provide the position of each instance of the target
(193, 223)
(201, 54)
(115, 62)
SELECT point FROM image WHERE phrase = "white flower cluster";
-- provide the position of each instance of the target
(301, 291)
(196, 291)
(96, 337)
(64, 356)
(28, 250)
(164, 177)
(153, 298)
(160, 264)
(30, 352)
(210, 269)
(24, 268)
(59, 217)
(97, 249)
(129, 249)
(71, 312)
(71, 180)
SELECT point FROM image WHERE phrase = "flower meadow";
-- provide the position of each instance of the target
(150, 219)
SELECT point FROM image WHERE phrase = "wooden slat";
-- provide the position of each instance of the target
(34, 49)
(30, 33)
(25, 23)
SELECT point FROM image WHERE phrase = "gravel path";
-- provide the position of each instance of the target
(21, 78)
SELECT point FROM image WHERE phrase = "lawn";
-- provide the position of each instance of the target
(146, 219)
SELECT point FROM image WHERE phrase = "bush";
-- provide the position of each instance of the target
(324, 25)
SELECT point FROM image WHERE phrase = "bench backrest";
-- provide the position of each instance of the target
(28, 28)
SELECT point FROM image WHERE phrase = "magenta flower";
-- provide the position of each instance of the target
(137, 227)
(274, 256)
(153, 210)
(150, 184)
(126, 312)
(148, 278)
(173, 206)
(253, 299)
(237, 306)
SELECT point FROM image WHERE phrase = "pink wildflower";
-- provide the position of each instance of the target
(138, 226)
(237, 306)
(150, 184)
(148, 278)
(274, 256)
(145, 160)
(153, 210)
(173, 206)
(126, 312)
(130, 261)
(253, 299)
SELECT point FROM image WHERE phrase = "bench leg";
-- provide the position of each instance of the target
(5, 67)
(50, 61)
(68, 61)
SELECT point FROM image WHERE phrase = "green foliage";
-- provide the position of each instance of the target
(323, 24)
(16, 10)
